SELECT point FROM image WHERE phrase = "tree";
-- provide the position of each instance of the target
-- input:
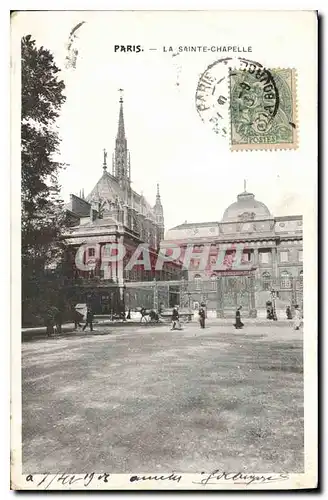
(42, 211)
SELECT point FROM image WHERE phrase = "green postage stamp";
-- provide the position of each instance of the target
(262, 108)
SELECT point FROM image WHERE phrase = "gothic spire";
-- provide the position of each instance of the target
(105, 160)
(158, 196)
(121, 129)
(159, 213)
(121, 161)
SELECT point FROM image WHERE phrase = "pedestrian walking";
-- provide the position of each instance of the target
(175, 319)
(289, 312)
(297, 318)
(143, 318)
(238, 325)
(50, 321)
(89, 320)
(202, 315)
(269, 309)
(58, 320)
(129, 314)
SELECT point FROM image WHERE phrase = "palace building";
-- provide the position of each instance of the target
(271, 260)
(113, 212)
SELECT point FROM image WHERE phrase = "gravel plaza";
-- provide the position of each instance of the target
(147, 399)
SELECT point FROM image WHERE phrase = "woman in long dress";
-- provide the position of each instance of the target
(238, 323)
(297, 318)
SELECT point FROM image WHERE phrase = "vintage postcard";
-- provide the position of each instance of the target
(164, 250)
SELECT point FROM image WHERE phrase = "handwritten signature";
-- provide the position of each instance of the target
(218, 476)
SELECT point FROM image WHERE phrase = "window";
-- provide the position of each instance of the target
(246, 257)
(300, 256)
(91, 252)
(284, 256)
(301, 278)
(213, 282)
(285, 280)
(264, 257)
(266, 280)
(197, 279)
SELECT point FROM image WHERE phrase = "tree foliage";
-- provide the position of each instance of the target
(42, 211)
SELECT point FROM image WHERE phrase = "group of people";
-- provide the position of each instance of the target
(176, 325)
(78, 318)
(54, 318)
(147, 316)
(175, 318)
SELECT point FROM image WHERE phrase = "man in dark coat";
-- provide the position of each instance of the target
(289, 312)
(50, 321)
(238, 325)
(201, 314)
(175, 318)
(89, 320)
(143, 315)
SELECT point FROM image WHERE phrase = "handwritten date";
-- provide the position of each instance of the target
(83, 480)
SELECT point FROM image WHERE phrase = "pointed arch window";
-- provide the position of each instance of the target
(266, 280)
(285, 280)
(198, 280)
(213, 282)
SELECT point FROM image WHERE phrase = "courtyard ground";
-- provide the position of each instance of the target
(151, 400)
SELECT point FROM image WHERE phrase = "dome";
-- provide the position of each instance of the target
(246, 208)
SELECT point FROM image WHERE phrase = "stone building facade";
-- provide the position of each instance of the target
(271, 258)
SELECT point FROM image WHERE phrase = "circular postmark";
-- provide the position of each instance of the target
(237, 87)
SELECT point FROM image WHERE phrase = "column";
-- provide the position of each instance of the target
(294, 292)
(220, 298)
(274, 255)
(256, 263)
(120, 265)
(252, 301)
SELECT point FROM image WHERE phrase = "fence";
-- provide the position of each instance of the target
(222, 295)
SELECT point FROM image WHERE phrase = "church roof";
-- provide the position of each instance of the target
(107, 188)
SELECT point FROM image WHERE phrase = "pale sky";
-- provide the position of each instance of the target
(169, 144)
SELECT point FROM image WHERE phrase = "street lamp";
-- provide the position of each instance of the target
(189, 297)
(274, 311)
(155, 296)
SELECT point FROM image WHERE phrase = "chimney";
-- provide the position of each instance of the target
(93, 214)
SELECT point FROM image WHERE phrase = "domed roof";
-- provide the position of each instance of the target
(246, 208)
